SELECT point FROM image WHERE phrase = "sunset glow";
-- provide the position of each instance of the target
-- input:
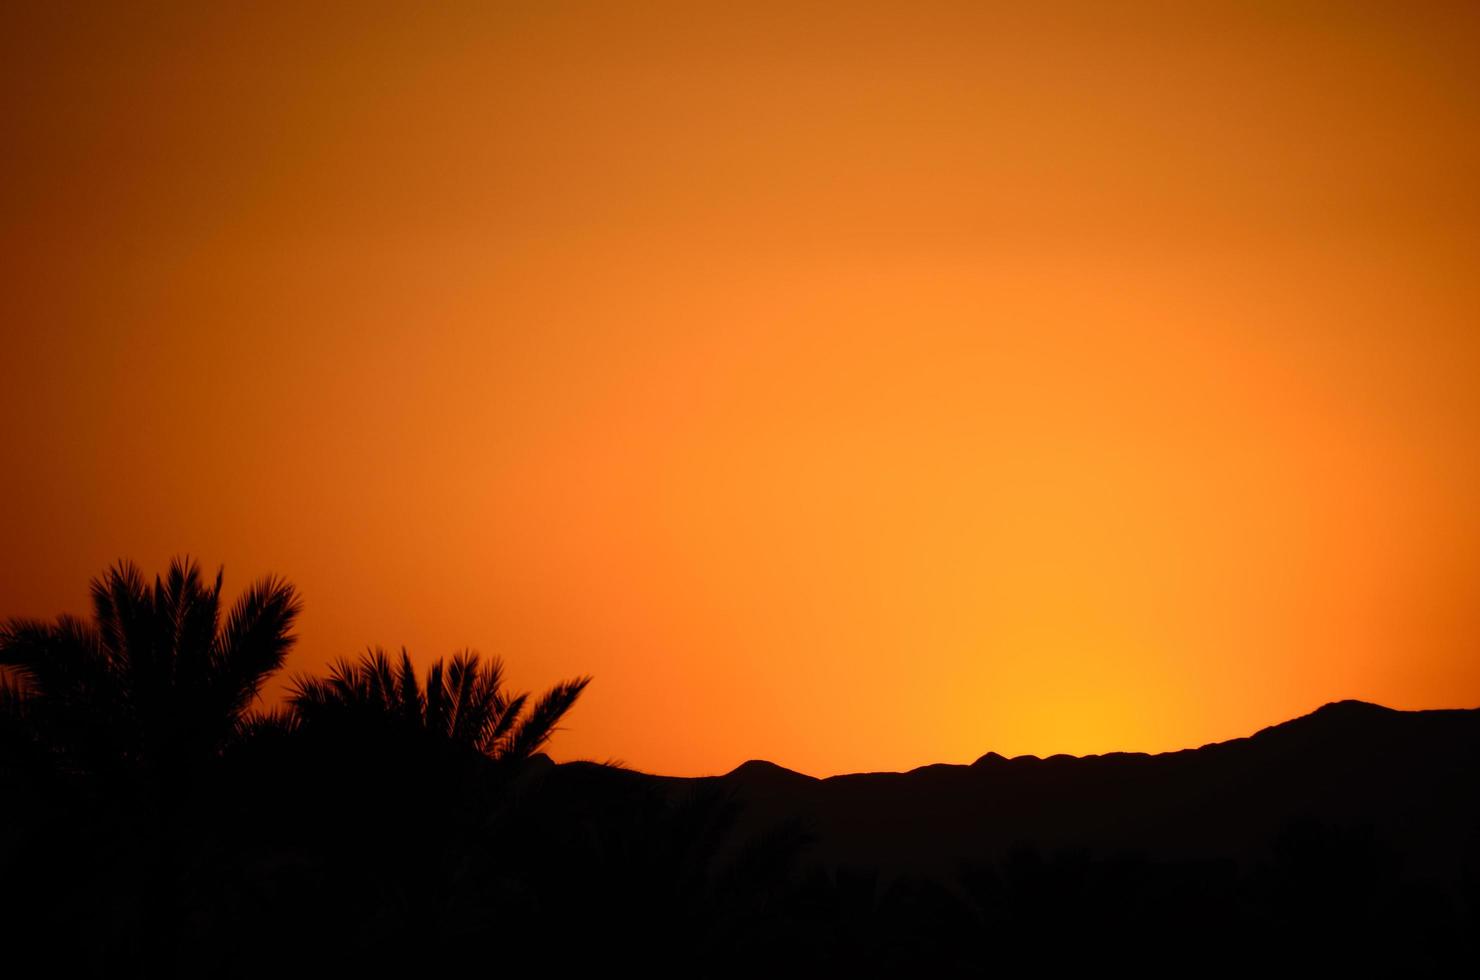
(855, 386)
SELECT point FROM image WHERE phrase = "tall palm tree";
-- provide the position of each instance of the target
(156, 684)
(119, 723)
(462, 703)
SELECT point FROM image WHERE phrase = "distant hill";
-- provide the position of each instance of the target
(1401, 782)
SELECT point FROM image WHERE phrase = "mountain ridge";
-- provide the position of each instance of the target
(1402, 780)
(1345, 711)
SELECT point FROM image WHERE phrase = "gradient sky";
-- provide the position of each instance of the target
(852, 385)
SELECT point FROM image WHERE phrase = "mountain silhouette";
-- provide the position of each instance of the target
(1345, 839)
(1407, 778)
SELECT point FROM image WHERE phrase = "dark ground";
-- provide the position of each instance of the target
(1344, 840)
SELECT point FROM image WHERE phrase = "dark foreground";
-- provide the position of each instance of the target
(1345, 840)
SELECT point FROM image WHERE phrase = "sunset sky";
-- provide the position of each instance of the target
(851, 385)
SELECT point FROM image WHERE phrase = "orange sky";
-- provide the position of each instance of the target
(851, 385)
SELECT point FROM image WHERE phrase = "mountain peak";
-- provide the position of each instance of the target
(1337, 719)
(1352, 708)
(754, 770)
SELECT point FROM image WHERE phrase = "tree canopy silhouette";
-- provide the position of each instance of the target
(462, 702)
(138, 772)
(156, 683)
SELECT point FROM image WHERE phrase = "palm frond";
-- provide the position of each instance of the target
(344, 681)
(115, 594)
(540, 724)
(378, 679)
(413, 705)
(62, 661)
(188, 613)
(462, 677)
(493, 680)
(436, 698)
(501, 724)
(254, 642)
(306, 692)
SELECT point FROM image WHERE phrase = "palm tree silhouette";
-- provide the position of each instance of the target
(156, 685)
(122, 723)
(432, 758)
(462, 703)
